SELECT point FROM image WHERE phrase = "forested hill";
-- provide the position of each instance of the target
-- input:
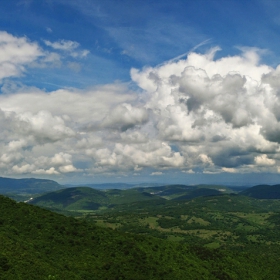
(39, 244)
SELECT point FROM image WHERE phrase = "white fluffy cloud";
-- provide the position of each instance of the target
(19, 53)
(264, 160)
(221, 112)
(15, 54)
(198, 114)
(124, 116)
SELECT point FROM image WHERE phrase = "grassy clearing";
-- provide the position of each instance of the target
(213, 245)
(105, 224)
(248, 228)
(175, 238)
(258, 218)
(198, 220)
(151, 221)
(206, 234)
(184, 217)
(83, 211)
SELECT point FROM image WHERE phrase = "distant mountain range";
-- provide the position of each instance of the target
(85, 198)
(105, 186)
(121, 186)
(263, 192)
(28, 185)
(49, 193)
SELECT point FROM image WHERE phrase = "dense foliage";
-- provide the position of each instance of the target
(38, 244)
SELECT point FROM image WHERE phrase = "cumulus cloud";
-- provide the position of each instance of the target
(15, 54)
(50, 171)
(68, 169)
(263, 160)
(222, 112)
(61, 159)
(20, 130)
(134, 137)
(198, 114)
(43, 126)
(229, 170)
(24, 169)
(124, 116)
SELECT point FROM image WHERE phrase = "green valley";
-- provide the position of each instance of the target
(39, 244)
(164, 232)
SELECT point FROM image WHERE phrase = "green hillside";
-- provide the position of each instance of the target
(38, 244)
(85, 198)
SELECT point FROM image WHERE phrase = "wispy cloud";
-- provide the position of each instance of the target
(156, 173)
(68, 46)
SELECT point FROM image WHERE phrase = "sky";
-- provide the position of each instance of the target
(137, 91)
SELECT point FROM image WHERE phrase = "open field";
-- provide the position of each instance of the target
(211, 225)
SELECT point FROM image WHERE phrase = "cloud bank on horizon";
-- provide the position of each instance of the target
(199, 114)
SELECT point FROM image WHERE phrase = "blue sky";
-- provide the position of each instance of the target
(139, 91)
(125, 34)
